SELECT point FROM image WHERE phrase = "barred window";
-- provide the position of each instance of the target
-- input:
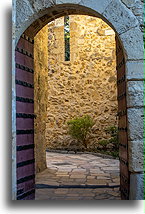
(67, 38)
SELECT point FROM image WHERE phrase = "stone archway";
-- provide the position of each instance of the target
(126, 26)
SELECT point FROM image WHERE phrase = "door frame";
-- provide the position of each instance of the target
(31, 24)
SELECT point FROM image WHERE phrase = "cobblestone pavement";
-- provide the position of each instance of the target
(93, 178)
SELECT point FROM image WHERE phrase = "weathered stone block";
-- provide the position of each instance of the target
(136, 186)
(67, 1)
(23, 11)
(134, 70)
(99, 6)
(47, 3)
(135, 95)
(129, 3)
(135, 123)
(136, 6)
(138, 11)
(136, 156)
(133, 44)
(40, 4)
(120, 17)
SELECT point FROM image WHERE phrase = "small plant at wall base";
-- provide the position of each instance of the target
(113, 131)
(113, 141)
(80, 129)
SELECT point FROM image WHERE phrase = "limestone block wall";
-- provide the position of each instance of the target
(137, 8)
(85, 85)
(40, 96)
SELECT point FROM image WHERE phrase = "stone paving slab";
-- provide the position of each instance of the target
(79, 169)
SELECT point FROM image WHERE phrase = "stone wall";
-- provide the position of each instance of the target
(137, 7)
(85, 85)
(40, 96)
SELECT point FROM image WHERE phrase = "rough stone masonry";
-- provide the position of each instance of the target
(85, 85)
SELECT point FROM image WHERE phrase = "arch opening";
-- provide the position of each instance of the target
(25, 102)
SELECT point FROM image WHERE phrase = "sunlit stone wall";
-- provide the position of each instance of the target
(85, 85)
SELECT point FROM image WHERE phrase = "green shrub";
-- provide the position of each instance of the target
(80, 128)
(104, 144)
(113, 132)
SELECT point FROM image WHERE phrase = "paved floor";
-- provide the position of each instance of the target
(79, 177)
